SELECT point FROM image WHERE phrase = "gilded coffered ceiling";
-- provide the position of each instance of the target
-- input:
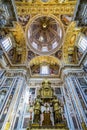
(44, 33)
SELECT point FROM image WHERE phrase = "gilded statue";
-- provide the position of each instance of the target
(37, 111)
(55, 104)
(57, 117)
(57, 112)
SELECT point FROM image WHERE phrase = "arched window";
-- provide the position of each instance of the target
(82, 42)
(6, 43)
(44, 70)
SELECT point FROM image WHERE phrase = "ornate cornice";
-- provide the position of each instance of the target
(39, 8)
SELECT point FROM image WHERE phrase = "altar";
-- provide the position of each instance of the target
(47, 108)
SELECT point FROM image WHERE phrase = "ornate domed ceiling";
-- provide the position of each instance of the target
(45, 35)
(45, 23)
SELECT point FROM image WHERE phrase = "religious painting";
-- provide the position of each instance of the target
(35, 69)
(66, 19)
(54, 69)
(8, 82)
(23, 19)
(31, 55)
(58, 54)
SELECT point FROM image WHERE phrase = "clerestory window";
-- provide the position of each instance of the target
(6, 43)
(82, 43)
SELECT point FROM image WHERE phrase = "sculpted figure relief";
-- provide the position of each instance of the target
(37, 111)
(57, 112)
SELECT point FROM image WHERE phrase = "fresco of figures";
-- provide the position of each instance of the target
(53, 69)
(31, 55)
(58, 54)
(66, 19)
(23, 19)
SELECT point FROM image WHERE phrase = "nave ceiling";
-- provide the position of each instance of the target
(44, 34)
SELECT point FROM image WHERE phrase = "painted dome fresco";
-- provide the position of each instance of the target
(45, 35)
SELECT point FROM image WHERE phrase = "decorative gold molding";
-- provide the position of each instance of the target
(18, 34)
(69, 42)
(47, 59)
(39, 8)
